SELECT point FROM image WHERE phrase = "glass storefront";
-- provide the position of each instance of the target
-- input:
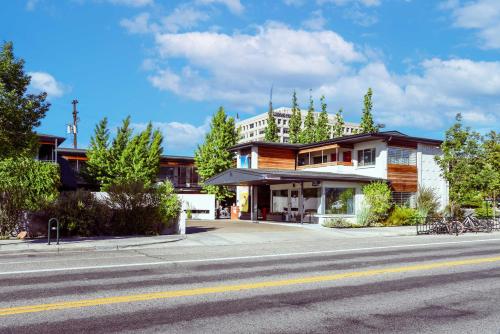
(339, 201)
(280, 201)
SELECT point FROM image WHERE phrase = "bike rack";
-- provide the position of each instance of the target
(55, 228)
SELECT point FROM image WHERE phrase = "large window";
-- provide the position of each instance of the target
(339, 201)
(403, 198)
(366, 157)
(280, 200)
(401, 156)
(311, 200)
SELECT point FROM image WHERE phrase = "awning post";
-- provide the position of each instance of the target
(301, 202)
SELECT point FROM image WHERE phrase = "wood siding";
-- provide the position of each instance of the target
(276, 158)
(403, 178)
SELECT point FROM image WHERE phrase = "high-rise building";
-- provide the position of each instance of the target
(253, 129)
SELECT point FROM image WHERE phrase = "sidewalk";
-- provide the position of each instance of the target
(81, 244)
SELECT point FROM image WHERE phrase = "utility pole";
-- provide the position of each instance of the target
(75, 122)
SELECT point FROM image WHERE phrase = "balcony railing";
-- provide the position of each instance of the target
(325, 164)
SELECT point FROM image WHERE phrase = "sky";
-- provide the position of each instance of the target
(175, 62)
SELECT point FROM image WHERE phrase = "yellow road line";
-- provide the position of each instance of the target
(238, 287)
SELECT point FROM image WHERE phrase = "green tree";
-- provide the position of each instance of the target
(488, 179)
(459, 162)
(367, 124)
(20, 112)
(25, 184)
(129, 159)
(323, 128)
(378, 199)
(271, 132)
(308, 134)
(212, 157)
(295, 123)
(96, 168)
(338, 127)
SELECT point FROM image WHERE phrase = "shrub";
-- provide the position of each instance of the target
(170, 204)
(362, 218)
(402, 215)
(136, 209)
(81, 213)
(427, 202)
(378, 198)
(486, 210)
(25, 184)
(337, 223)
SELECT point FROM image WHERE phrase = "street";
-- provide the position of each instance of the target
(431, 284)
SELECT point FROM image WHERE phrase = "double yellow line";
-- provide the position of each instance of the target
(238, 287)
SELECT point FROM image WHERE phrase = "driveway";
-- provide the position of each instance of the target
(231, 226)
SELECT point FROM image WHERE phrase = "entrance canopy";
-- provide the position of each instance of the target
(249, 177)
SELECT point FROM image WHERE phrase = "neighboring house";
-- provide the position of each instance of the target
(180, 170)
(324, 180)
(253, 129)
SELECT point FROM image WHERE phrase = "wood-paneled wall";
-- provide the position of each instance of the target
(403, 178)
(276, 158)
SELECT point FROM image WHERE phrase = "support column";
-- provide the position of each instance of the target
(253, 204)
(301, 202)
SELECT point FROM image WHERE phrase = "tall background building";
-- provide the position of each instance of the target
(253, 129)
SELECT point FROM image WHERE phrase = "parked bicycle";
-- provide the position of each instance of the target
(473, 224)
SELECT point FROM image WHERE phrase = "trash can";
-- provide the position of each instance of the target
(235, 212)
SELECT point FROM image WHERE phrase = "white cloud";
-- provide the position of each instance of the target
(239, 69)
(132, 3)
(316, 21)
(480, 15)
(183, 17)
(179, 137)
(296, 3)
(137, 25)
(367, 3)
(31, 4)
(234, 6)
(44, 82)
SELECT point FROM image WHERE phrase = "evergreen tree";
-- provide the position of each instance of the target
(367, 124)
(96, 168)
(323, 128)
(20, 113)
(308, 133)
(338, 127)
(212, 157)
(295, 123)
(271, 132)
(459, 162)
(488, 179)
(129, 159)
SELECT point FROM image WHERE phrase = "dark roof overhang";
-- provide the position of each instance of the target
(387, 136)
(245, 177)
(50, 138)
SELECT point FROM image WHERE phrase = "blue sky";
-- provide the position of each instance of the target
(174, 62)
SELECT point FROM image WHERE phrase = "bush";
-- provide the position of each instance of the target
(486, 210)
(170, 204)
(362, 218)
(427, 202)
(136, 209)
(338, 223)
(80, 213)
(25, 185)
(402, 215)
(378, 198)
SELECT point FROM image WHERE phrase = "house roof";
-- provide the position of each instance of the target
(242, 176)
(46, 137)
(83, 152)
(351, 139)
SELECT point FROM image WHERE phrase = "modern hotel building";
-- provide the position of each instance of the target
(252, 129)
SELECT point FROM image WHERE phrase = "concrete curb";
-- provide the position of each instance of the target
(26, 247)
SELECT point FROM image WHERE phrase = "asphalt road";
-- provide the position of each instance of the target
(380, 285)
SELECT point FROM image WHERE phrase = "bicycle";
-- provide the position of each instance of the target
(473, 224)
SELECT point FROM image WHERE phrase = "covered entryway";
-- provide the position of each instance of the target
(257, 179)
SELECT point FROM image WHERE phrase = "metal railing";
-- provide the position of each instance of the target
(452, 225)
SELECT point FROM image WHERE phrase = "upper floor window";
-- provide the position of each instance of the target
(251, 126)
(401, 156)
(366, 157)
